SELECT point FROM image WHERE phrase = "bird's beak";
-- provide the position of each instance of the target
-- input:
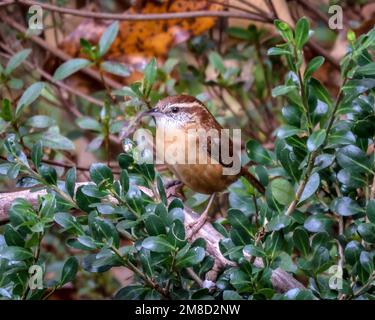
(154, 112)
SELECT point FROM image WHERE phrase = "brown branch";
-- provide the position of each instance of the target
(281, 280)
(147, 17)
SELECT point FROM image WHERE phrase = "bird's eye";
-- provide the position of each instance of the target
(174, 109)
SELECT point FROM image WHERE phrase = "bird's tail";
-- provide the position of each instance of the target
(253, 180)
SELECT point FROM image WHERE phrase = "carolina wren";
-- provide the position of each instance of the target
(180, 115)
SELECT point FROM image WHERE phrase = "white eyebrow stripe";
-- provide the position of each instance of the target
(185, 105)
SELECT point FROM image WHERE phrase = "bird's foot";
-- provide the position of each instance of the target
(173, 187)
(196, 225)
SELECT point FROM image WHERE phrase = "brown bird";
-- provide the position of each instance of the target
(177, 118)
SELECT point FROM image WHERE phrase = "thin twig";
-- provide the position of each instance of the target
(148, 17)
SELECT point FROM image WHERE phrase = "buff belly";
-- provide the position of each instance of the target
(203, 178)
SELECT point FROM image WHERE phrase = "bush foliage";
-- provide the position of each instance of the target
(315, 221)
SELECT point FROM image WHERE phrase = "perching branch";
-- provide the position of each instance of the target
(281, 280)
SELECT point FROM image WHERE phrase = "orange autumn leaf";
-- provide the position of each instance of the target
(138, 41)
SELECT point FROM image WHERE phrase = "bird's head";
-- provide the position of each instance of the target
(177, 112)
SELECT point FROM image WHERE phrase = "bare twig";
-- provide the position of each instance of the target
(147, 17)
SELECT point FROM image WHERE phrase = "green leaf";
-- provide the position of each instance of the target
(257, 153)
(158, 244)
(150, 73)
(40, 122)
(154, 225)
(313, 65)
(116, 68)
(161, 190)
(352, 252)
(109, 35)
(284, 29)
(320, 91)
(316, 140)
(370, 211)
(301, 241)
(88, 123)
(277, 51)
(318, 223)
(366, 70)
(302, 32)
(69, 67)
(279, 222)
(70, 181)
(345, 206)
(13, 237)
(16, 60)
(311, 187)
(29, 96)
(191, 258)
(292, 115)
(124, 181)
(241, 223)
(56, 141)
(100, 174)
(231, 295)
(253, 251)
(6, 110)
(48, 207)
(37, 153)
(355, 87)
(240, 33)
(282, 90)
(351, 179)
(15, 253)
(353, 158)
(104, 231)
(217, 62)
(282, 191)
(69, 271)
(48, 173)
(366, 260)
(367, 232)
(67, 221)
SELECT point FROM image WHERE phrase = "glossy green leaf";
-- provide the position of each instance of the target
(109, 35)
(69, 271)
(69, 67)
(282, 191)
(370, 211)
(367, 232)
(316, 139)
(116, 68)
(15, 253)
(37, 154)
(157, 244)
(302, 32)
(16, 60)
(70, 181)
(301, 241)
(48, 173)
(258, 153)
(311, 187)
(29, 96)
(313, 66)
(100, 173)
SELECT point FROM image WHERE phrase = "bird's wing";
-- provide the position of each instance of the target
(216, 149)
